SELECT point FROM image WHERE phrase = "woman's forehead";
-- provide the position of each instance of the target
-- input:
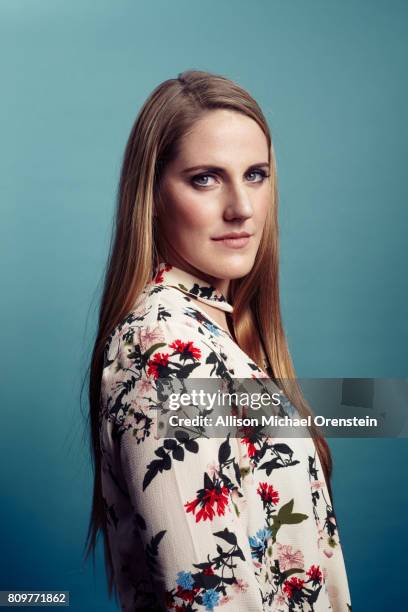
(220, 136)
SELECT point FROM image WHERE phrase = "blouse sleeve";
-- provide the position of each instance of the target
(183, 490)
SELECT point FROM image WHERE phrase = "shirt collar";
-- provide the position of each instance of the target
(194, 286)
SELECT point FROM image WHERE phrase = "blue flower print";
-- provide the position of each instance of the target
(258, 542)
(185, 580)
(213, 329)
(210, 599)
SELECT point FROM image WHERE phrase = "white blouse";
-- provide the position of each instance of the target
(199, 523)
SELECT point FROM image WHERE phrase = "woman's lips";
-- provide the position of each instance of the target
(234, 243)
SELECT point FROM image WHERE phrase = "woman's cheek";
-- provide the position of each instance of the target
(197, 218)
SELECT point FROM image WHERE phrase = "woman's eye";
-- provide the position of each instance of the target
(261, 173)
(202, 180)
(197, 178)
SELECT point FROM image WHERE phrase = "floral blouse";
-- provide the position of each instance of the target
(198, 523)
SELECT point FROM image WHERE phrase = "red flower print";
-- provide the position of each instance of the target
(157, 364)
(207, 499)
(249, 435)
(186, 594)
(251, 448)
(315, 574)
(292, 586)
(187, 350)
(208, 571)
(159, 276)
(267, 493)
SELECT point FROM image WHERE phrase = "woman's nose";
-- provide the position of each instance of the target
(238, 202)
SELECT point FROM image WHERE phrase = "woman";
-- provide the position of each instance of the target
(191, 291)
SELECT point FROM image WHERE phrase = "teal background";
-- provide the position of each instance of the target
(331, 78)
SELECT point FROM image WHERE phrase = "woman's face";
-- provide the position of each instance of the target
(218, 184)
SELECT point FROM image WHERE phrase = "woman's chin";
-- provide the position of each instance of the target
(231, 266)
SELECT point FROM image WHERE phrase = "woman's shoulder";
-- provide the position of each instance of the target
(156, 340)
(161, 314)
(159, 305)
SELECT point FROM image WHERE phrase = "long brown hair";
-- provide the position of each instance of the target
(167, 115)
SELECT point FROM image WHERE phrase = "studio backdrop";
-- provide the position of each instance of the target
(331, 79)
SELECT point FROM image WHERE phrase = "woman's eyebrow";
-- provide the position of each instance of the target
(209, 167)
